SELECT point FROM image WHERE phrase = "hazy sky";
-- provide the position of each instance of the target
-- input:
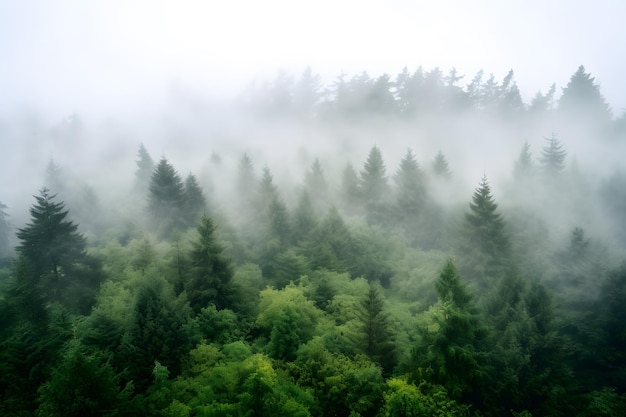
(65, 56)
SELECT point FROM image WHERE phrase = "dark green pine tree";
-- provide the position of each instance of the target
(410, 188)
(553, 156)
(56, 253)
(440, 166)
(582, 101)
(374, 187)
(376, 334)
(166, 199)
(158, 333)
(194, 201)
(317, 186)
(246, 185)
(486, 248)
(350, 193)
(304, 218)
(145, 168)
(5, 247)
(524, 165)
(211, 274)
(454, 353)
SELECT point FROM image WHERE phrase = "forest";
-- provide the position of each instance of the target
(417, 245)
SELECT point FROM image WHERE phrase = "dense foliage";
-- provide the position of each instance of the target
(356, 291)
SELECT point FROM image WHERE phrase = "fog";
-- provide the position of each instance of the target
(84, 85)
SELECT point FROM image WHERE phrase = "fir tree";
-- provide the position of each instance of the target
(374, 187)
(486, 250)
(350, 190)
(377, 336)
(57, 255)
(553, 156)
(410, 187)
(145, 168)
(166, 199)
(453, 353)
(194, 201)
(524, 164)
(211, 272)
(582, 100)
(440, 166)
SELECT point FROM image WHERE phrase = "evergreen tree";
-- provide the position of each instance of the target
(194, 201)
(377, 336)
(440, 166)
(307, 93)
(553, 156)
(211, 273)
(56, 253)
(166, 199)
(145, 168)
(317, 186)
(582, 101)
(410, 188)
(453, 353)
(524, 164)
(304, 219)
(374, 187)
(486, 248)
(350, 190)
(158, 333)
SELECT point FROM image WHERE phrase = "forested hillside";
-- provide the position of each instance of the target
(417, 245)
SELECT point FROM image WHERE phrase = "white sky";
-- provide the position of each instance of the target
(63, 56)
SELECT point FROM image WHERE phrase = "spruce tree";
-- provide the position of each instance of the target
(453, 353)
(552, 156)
(145, 168)
(350, 191)
(57, 255)
(582, 100)
(377, 336)
(486, 248)
(194, 201)
(166, 199)
(440, 166)
(524, 165)
(410, 188)
(210, 280)
(374, 187)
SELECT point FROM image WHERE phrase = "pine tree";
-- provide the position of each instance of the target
(582, 100)
(56, 253)
(376, 333)
(374, 187)
(440, 166)
(166, 199)
(145, 168)
(524, 164)
(307, 94)
(410, 188)
(553, 156)
(194, 201)
(350, 190)
(453, 353)
(317, 186)
(486, 249)
(211, 273)
(304, 219)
